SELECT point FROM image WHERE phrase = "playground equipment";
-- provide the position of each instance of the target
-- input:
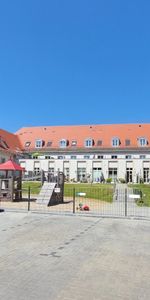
(10, 181)
(52, 191)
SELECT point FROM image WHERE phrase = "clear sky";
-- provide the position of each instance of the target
(74, 62)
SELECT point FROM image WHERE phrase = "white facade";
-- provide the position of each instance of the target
(90, 167)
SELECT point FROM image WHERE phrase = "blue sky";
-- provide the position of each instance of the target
(74, 62)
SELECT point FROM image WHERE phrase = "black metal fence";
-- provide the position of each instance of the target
(100, 201)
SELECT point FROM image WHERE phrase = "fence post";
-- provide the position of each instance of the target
(74, 200)
(126, 203)
(29, 198)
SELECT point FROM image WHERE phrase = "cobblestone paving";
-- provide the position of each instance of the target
(71, 258)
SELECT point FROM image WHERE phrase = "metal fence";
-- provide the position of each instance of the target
(103, 201)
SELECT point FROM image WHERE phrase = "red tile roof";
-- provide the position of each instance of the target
(9, 142)
(82, 132)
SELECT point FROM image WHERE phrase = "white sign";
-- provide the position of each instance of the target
(134, 196)
(81, 194)
(57, 190)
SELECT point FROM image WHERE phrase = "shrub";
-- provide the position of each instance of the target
(122, 180)
(108, 180)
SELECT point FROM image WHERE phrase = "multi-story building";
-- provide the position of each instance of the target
(89, 153)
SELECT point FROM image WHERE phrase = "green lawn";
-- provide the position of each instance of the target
(102, 192)
(144, 189)
(35, 186)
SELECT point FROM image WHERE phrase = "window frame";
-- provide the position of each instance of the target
(63, 143)
(115, 142)
(88, 143)
(40, 141)
(140, 142)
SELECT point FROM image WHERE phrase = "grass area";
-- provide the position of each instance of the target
(144, 191)
(35, 186)
(103, 192)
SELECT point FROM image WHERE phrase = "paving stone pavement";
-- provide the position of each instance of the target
(73, 258)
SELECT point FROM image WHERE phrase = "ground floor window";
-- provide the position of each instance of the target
(36, 171)
(146, 174)
(81, 174)
(97, 174)
(129, 175)
(112, 173)
(51, 171)
(67, 174)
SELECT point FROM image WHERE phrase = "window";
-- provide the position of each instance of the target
(114, 157)
(3, 144)
(61, 157)
(81, 175)
(99, 143)
(142, 156)
(2, 160)
(38, 144)
(51, 170)
(112, 173)
(74, 143)
(127, 142)
(142, 142)
(27, 144)
(63, 143)
(100, 156)
(49, 144)
(88, 143)
(86, 156)
(73, 157)
(47, 157)
(128, 156)
(115, 142)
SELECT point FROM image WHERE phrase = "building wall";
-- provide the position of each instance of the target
(108, 166)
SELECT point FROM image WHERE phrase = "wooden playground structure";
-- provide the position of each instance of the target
(10, 181)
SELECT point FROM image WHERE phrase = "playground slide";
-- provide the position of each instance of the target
(46, 193)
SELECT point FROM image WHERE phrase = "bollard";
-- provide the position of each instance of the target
(74, 200)
(29, 198)
(125, 202)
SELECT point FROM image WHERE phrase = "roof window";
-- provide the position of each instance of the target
(27, 144)
(63, 143)
(115, 142)
(89, 142)
(39, 143)
(142, 142)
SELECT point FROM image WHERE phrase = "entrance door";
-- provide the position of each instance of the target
(129, 176)
(97, 174)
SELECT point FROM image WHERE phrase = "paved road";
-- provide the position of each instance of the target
(73, 258)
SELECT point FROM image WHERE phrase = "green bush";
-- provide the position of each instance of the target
(108, 180)
(122, 180)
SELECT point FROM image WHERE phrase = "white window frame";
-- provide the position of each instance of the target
(115, 142)
(142, 141)
(63, 143)
(38, 143)
(88, 143)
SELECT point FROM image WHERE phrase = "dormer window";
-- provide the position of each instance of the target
(99, 143)
(74, 143)
(127, 142)
(38, 144)
(49, 144)
(27, 144)
(63, 143)
(142, 142)
(115, 142)
(88, 143)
